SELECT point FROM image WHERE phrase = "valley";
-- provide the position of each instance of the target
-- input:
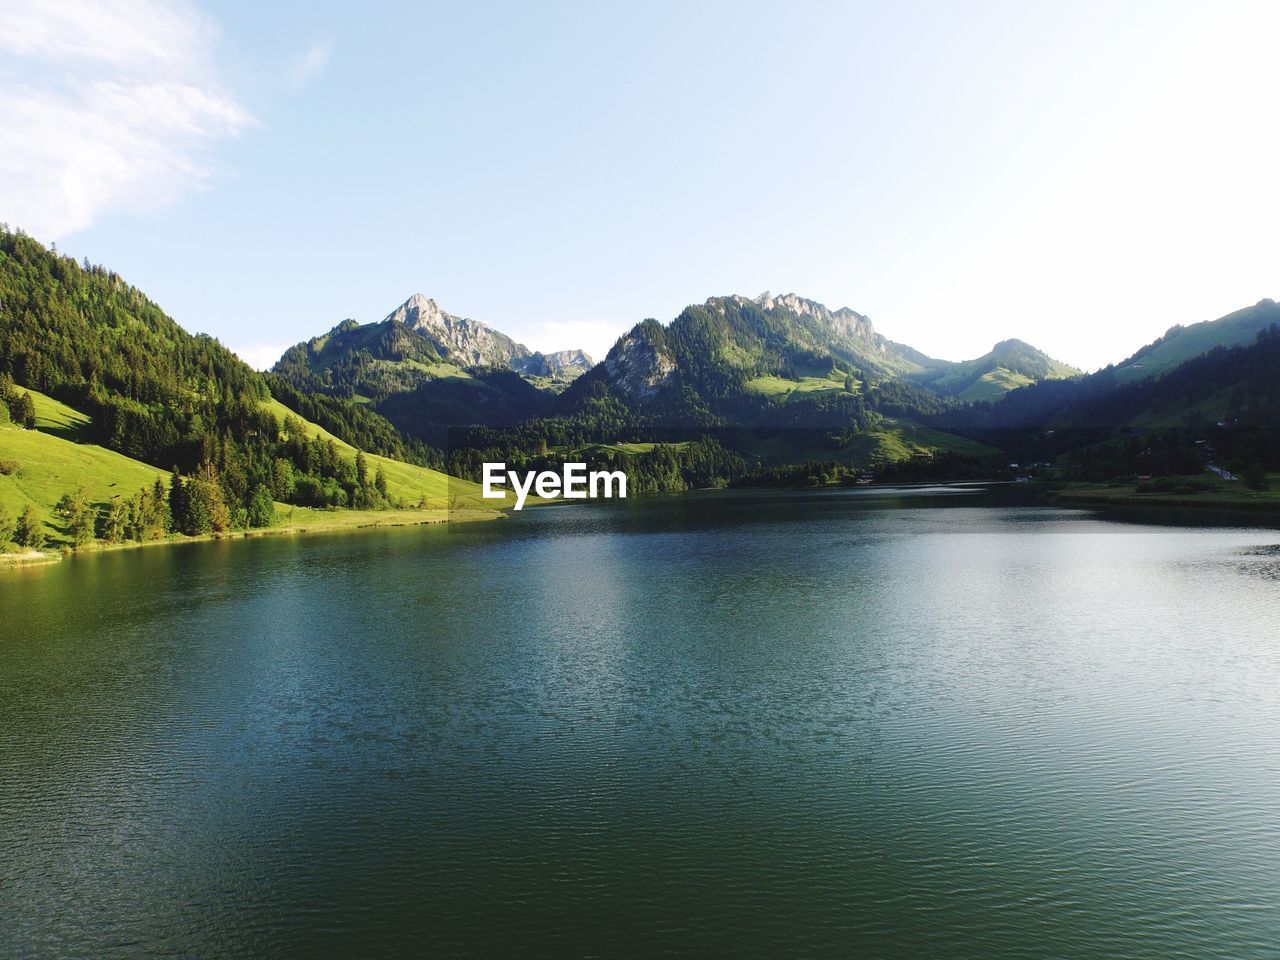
(118, 425)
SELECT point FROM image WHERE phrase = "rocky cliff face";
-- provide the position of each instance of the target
(560, 365)
(844, 322)
(400, 352)
(844, 327)
(639, 363)
(460, 340)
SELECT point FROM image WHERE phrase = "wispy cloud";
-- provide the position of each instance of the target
(105, 105)
(311, 63)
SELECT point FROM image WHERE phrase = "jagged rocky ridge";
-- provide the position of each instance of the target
(400, 351)
(737, 339)
(470, 343)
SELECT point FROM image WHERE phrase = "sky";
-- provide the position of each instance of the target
(1078, 175)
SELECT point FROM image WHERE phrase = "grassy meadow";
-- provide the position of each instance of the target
(37, 467)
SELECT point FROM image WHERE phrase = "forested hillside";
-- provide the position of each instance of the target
(426, 371)
(158, 395)
(1222, 406)
(734, 390)
(1180, 344)
(1010, 364)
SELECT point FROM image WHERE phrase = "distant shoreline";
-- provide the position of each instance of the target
(336, 521)
(1200, 506)
(1243, 501)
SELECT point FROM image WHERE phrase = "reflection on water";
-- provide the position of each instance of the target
(832, 724)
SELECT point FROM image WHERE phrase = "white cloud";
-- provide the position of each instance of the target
(105, 105)
(261, 356)
(313, 61)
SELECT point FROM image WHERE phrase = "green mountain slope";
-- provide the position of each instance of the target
(45, 463)
(406, 482)
(1181, 344)
(38, 467)
(139, 385)
(427, 370)
(1220, 407)
(731, 347)
(741, 389)
(1010, 364)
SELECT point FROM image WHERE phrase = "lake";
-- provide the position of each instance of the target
(844, 724)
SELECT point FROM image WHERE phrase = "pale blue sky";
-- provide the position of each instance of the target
(1079, 175)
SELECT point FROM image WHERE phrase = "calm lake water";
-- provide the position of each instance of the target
(840, 725)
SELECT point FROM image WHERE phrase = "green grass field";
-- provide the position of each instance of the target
(405, 481)
(49, 465)
(903, 439)
(1174, 414)
(631, 448)
(772, 386)
(53, 460)
(59, 419)
(892, 440)
(993, 385)
(1209, 492)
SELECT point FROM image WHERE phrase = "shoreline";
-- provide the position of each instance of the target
(329, 522)
(1093, 496)
(1173, 507)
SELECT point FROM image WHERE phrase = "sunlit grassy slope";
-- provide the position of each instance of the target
(41, 465)
(59, 419)
(1183, 343)
(405, 481)
(773, 386)
(49, 465)
(894, 439)
(994, 384)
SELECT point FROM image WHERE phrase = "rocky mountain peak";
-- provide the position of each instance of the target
(844, 321)
(561, 364)
(460, 340)
(639, 363)
(419, 312)
(471, 343)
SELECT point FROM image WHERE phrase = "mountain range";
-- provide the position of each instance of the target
(416, 342)
(731, 357)
(752, 342)
(735, 389)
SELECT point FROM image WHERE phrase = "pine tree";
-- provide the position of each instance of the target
(158, 515)
(380, 481)
(116, 521)
(83, 524)
(262, 512)
(81, 517)
(6, 524)
(282, 484)
(206, 507)
(178, 503)
(30, 531)
(25, 415)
